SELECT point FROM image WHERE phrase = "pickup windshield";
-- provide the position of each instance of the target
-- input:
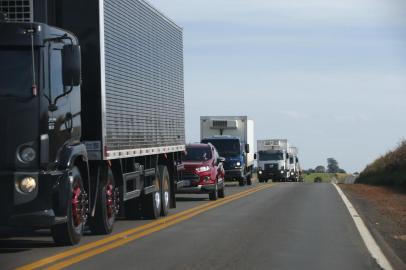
(263, 155)
(15, 73)
(225, 148)
(197, 154)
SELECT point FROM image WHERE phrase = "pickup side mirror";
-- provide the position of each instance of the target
(71, 65)
(247, 148)
(220, 159)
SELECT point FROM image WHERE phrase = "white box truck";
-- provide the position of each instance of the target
(233, 136)
(273, 160)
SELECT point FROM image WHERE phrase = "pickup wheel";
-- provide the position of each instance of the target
(71, 232)
(214, 194)
(164, 180)
(107, 205)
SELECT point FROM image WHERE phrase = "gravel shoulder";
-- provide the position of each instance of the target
(383, 210)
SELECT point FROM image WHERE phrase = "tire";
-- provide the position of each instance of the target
(214, 194)
(221, 192)
(164, 180)
(249, 180)
(106, 205)
(151, 203)
(241, 183)
(71, 232)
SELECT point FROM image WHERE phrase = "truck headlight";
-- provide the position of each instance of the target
(27, 184)
(282, 172)
(238, 164)
(260, 172)
(203, 169)
(27, 154)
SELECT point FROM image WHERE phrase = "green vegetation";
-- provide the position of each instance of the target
(326, 177)
(389, 169)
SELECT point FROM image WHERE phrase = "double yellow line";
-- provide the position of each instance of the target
(75, 255)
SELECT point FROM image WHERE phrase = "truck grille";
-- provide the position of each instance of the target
(17, 10)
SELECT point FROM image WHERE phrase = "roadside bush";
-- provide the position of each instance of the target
(389, 169)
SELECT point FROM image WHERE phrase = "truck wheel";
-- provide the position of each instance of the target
(151, 203)
(214, 194)
(164, 180)
(241, 182)
(249, 179)
(70, 233)
(107, 205)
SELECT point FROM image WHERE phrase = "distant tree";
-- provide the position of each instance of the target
(320, 169)
(341, 171)
(332, 165)
(310, 171)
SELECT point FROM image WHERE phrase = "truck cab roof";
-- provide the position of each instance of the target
(222, 137)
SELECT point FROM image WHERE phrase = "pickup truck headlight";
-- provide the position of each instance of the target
(27, 154)
(203, 169)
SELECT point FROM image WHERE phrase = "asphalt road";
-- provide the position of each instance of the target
(280, 226)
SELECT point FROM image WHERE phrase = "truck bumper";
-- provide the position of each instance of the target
(270, 175)
(234, 174)
(41, 208)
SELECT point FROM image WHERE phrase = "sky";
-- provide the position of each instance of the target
(330, 76)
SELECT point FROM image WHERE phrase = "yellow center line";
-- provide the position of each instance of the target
(127, 233)
(121, 242)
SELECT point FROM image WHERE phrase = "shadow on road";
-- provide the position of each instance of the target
(191, 199)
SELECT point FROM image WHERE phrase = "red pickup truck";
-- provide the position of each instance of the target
(203, 172)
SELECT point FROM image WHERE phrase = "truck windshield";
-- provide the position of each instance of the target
(197, 154)
(15, 73)
(225, 147)
(263, 155)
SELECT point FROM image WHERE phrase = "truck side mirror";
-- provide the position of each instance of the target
(255, 156)
(71, 65)
(247, 148)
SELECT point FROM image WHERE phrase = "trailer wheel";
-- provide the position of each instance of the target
(107, 205)
(164, 180)
(151, 203)
(214, 194)
(70, 233)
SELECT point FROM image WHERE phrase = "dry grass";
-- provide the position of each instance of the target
(389, 169)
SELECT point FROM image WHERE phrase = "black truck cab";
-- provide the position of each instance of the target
(41, 124)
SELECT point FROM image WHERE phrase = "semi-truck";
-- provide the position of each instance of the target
(233, 137)
(92, 113)
(273, 160)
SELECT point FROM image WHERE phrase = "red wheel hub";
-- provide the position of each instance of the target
(110, 200)
(77, 205)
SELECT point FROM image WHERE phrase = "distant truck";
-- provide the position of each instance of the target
(91, 101)
(273, 160)
(233, 137)
(293, 164)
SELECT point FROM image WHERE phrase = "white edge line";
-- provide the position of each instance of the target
(366, 236)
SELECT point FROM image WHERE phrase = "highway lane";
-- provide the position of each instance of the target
(283, 226)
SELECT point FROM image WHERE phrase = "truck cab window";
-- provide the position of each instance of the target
(56, 73)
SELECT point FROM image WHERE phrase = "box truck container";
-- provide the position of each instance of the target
(92, 114)
(273, 160)
(233, 137)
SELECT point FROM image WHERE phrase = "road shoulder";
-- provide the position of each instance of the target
(383, 211)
